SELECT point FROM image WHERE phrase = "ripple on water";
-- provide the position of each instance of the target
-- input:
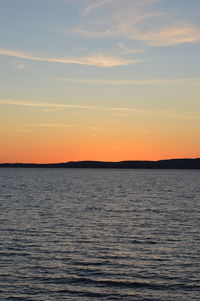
(99, 235)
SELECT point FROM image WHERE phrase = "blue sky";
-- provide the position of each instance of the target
(129, 56)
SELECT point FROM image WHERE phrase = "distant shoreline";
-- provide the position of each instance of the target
(161, 164)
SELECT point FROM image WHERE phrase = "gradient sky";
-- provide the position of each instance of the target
(99, 80)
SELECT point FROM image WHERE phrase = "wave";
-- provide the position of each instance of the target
(121, 283)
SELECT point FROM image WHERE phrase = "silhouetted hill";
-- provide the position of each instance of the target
(162, 164)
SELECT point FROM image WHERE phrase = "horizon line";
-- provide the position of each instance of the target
(100, 161)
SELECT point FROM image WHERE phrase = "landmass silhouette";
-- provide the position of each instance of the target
(161, 164)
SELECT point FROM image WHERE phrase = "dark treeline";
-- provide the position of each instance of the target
(162, 164)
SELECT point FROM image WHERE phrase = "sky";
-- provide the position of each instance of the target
(103, 80)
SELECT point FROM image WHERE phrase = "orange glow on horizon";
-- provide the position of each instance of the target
(51, 148)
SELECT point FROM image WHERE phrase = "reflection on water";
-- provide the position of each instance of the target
(99, 234)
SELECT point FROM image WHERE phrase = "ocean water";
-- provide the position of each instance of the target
(77, 234)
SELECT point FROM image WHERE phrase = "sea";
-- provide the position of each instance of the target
(99, 234)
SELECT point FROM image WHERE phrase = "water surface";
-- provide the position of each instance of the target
(77, 234)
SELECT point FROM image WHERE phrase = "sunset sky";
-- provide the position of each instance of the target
(99, 80)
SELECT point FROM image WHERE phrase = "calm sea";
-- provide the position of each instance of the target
(69, 234)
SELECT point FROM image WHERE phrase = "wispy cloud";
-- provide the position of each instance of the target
(129, 50)
(17, 65)
(60, 125)
(101, 3)
(68, 106)
(24, 131)
(147, 132)
(144, 82)
(95, 129)
(121, 115)
(171, 35)
(96, 4)
(121, 110)
(128, 20)
(98, 60)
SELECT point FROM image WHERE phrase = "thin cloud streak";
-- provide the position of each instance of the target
(23, 131)
(166, 36)
(148, 82)
(17, 66)
(98, 60)
(127, 19)
(96, 5)
(129, 50)
(171, 35)
(168, 114)
(123, 25)
(68, 106)
(62, 125)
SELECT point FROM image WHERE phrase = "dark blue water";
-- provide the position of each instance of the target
(99, 235)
